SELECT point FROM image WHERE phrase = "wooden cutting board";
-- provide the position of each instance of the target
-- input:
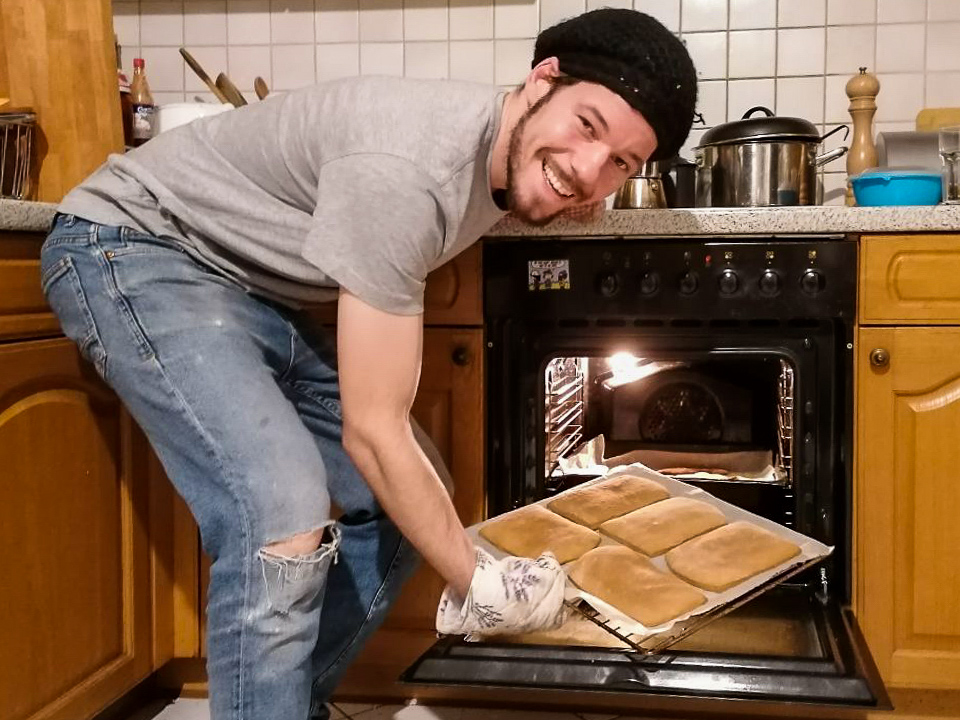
(931, 119)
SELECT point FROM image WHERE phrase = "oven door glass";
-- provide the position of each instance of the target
(785, 646)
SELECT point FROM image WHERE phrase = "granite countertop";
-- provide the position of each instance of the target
(33, 216)
(26, 216)
(747, 221)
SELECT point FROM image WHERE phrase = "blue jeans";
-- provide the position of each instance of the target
(240, 400)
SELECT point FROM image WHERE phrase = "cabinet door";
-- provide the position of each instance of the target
(75, 624)
(907, 513)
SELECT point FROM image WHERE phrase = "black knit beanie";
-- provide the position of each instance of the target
(637, 58)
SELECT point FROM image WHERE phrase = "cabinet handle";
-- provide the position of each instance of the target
(879, 357)
(461, 356)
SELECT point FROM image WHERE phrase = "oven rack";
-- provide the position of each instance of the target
(563, 409)
(785, 410)
(655, 643)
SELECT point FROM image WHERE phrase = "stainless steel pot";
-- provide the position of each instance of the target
(760, 162)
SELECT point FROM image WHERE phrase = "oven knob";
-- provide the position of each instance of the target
(728, 282)
(812, 282)
(608, 284)
(770, 283)
(649, 283)
(689, 282)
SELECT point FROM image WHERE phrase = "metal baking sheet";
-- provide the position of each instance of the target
(655, 639)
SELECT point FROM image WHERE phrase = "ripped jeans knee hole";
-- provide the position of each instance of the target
(290, 580)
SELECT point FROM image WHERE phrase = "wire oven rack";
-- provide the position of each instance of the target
(563, 409)
(655, 643)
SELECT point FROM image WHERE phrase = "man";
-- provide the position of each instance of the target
(179, 269)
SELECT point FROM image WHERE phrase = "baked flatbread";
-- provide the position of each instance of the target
(533, 530)
(729, 555)
(656, 528)
(630, 582)
(597, 503)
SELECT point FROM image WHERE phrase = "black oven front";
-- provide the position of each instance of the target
(725, 363)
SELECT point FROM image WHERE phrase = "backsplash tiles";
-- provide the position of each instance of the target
(794, 56)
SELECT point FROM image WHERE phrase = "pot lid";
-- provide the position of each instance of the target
(764, 127)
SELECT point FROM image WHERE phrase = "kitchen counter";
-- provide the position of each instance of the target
(26, 216)
(33, 216)
(746, 221)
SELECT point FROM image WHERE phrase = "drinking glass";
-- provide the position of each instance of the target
(950, 163)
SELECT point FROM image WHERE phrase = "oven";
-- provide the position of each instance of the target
(724, 362)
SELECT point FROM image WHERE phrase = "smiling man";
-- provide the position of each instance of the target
(180, 270)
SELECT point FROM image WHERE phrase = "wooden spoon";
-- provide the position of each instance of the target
(260, 87)
(195, 66)
(230, 91)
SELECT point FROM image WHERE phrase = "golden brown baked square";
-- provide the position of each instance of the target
(632, 584)
(533, 530)
(656, 528)
(729, 555)
(595, 504)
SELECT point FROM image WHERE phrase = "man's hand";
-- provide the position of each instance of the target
(512, 595)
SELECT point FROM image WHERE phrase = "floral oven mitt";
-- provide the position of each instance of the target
(511, 595)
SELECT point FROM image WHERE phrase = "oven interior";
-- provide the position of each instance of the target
(722, 420)
(756, 420)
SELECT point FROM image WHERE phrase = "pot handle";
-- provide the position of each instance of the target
(828, 156)
(837, 129)
(766, 111)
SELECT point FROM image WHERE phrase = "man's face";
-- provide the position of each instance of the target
(574, 147)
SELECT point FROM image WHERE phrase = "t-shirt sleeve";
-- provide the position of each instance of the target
(378, 229)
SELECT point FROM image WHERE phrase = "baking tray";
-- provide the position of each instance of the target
(652, 640)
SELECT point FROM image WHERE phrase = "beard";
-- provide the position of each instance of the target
(515, 201)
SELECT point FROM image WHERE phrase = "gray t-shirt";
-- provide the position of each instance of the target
(366, 183)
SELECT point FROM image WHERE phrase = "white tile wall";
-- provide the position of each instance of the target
(666, 11)
(753, 53)
(893, 11)
(794, 56)
(291, 22)
(426, 20)
(746, 14)
(703, 15)
(851, 12)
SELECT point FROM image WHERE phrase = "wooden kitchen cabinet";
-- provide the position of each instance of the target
(75, 624)
(907, 502)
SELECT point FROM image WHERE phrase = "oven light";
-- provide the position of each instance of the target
(626, 368)
(622, 362)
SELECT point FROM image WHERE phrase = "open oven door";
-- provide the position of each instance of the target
(787, 646)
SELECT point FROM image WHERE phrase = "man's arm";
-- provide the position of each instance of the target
(379, 358)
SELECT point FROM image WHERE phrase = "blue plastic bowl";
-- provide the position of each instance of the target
(884, 186)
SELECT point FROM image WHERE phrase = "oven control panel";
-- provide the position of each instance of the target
(740, 278)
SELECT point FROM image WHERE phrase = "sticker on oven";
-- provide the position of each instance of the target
(548, 275)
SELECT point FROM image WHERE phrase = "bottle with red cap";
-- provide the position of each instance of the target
(141, 103)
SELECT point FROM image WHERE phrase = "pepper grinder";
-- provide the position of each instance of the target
(862, 90)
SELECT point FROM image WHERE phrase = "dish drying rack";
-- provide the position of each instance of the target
(16, 153)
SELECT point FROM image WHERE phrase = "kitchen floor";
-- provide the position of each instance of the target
(190, 709)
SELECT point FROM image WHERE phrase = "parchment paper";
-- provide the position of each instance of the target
(810, 550)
